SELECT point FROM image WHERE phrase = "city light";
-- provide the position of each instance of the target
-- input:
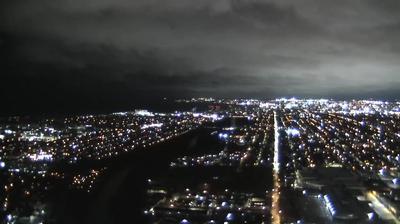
(306, 146)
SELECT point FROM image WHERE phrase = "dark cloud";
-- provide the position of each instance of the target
(111, 51)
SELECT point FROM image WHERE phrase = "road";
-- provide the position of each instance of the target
(380, 209)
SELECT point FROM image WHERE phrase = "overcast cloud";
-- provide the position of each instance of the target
(228, 48)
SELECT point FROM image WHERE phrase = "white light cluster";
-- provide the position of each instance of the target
(41, 157)
(154, 125)
(293, 132)
(144, 113)
(329, 205)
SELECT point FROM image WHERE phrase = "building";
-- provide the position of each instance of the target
(320, 178)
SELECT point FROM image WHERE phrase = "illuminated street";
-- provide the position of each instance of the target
(382, 211)
(275, 211)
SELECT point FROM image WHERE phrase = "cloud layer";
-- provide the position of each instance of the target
(230, 48)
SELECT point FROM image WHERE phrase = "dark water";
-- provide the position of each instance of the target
(120, 195)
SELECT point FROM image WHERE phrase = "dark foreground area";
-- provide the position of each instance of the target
(120, 195)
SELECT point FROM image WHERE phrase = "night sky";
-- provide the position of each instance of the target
(74, 55)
